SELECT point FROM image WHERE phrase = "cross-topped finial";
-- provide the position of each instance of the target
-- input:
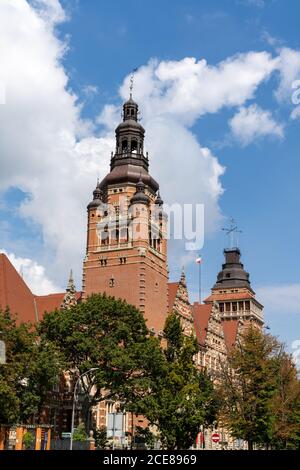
(131, 81)
(233, 233)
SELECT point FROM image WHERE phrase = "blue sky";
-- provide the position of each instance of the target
(93, 46)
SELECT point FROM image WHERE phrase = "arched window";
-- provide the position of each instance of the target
(124, 235)
(124, 145)
(134, 146)
(105, 236)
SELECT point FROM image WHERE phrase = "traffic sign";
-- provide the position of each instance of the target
(215, 437)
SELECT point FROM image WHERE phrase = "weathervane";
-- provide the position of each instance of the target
(233, 233)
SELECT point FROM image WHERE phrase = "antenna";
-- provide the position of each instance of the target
(233, 233)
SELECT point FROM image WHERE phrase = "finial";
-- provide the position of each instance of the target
(69, 299)
(232, 231)
(140, 185)
(182, 277)
(131, 81)
(71, 281)
(158, 200)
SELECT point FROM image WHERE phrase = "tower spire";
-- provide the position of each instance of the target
(70, 296)
(182, 277)
(97, 196)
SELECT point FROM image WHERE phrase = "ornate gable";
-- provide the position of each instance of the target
(182, 307)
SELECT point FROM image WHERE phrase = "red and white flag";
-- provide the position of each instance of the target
(199, 260)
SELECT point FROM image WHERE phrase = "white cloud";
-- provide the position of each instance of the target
(252, 122)
(50, 10)
(295, 114)
(40, 130)
(90, 90)
(188, 89)
(280, 298)
(289, 69)
(33, 274)
(52, 154)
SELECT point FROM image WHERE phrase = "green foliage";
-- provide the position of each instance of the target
(79, 433)
(30, 371)
(111, 335)
(249, 385)
(28, 440)
(144, 436)
(286, 406)
(100, 436)
(182, 397)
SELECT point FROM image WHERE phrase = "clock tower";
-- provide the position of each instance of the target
(126, 254)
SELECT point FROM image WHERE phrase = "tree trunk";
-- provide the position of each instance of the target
(250, 445)
(85, 413)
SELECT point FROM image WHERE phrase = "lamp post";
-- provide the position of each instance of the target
(74, 402)
(2, 352)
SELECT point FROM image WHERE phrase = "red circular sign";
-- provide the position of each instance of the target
(215, 437)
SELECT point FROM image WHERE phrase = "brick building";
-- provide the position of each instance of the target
(126, 253)
(126, 256)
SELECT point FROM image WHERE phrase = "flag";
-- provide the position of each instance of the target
(199, 260)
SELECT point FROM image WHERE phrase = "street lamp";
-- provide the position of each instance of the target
(74, 402)
(2, 352)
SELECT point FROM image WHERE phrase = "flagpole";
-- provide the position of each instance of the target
(200, 283)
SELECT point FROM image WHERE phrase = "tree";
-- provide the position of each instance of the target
(144, 437)
(110, 335)
(100, 436)
(286, 406)
(182, 398)
(28, 440)
(249, 385)
(30, 371)
(79, 433)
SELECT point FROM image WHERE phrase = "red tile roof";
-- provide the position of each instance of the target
(15, 294)
(229, 296)
(172, 290)
(201, 314)
(230, 328)
(50, 302)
